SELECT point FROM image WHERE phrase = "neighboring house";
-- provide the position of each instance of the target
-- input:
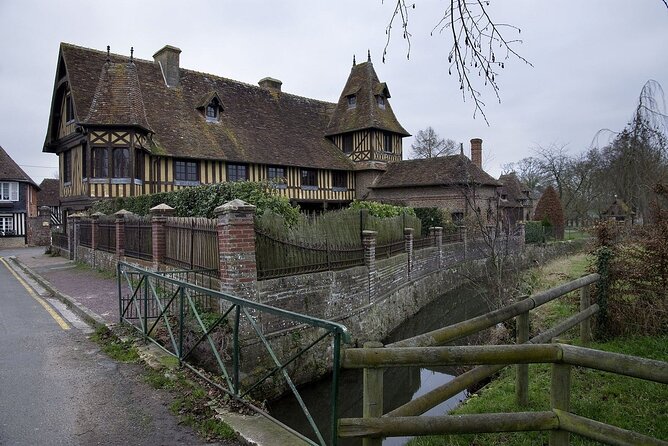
(124, 127)
(515, 200)
(619, 211)
(454, 182)
(17, 201)
(49, 195)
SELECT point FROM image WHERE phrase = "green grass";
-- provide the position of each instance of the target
(114, 347)
(629, 403)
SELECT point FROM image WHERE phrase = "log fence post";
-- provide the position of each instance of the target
(522, 370)
(372, 395)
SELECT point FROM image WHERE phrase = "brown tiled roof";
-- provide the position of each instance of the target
(363, 82)
(513, 189)
(256, 126)
(117, 99)
(49, 194)
(11, 171)
(446, 170)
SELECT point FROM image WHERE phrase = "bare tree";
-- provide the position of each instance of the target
(479, 49)
(480, 46)
(530, 172)
(429, 145)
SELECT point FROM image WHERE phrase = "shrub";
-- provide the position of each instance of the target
(430, 217)
(202, 200)
(381, 210)
(534, 232)
(551, 213)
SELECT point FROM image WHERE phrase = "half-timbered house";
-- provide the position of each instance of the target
(123, 126)
(17, 201)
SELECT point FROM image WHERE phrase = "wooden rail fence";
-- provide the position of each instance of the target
(428, 350)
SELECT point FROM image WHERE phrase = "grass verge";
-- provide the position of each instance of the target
(195, 401)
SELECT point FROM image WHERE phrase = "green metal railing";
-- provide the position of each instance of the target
(185, 319)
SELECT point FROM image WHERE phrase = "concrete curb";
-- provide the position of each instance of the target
(87, 315)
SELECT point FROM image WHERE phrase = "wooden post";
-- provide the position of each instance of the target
(522, 370)
(372, 395)
(585, 326)
(560, 396)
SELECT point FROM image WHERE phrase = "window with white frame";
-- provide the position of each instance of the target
(6, 225)
(9, 191)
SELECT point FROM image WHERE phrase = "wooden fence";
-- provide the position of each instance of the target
(421, 350)
(192, 243)
(138, 238)
(106, 235)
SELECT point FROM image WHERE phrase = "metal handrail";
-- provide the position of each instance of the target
(153, 298)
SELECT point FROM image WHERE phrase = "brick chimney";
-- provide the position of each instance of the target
(270, 84)
(476, 152)
(168, 60)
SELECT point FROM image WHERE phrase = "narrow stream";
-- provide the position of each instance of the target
(400, 384)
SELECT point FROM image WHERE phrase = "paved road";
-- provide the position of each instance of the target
(56, 388)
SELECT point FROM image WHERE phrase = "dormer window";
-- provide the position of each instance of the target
(212, 111)
(352, 101)
(380, 100)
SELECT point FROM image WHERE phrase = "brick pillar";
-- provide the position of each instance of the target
(408, 243)
(94, 221)
(236, 245)
(73, 234)
(159, 215)
(437, 233)
(369, 243)
(120, 232)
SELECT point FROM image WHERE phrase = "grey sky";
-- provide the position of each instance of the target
(591, 58)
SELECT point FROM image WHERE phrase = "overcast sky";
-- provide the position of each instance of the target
(590, 60)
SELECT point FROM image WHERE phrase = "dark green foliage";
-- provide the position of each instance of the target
(380, 209)
(434, 217)
(534, 232)
(202, 200)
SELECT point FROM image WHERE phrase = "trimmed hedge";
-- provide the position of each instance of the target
(380, 209)
(201, 201)
(534, 232)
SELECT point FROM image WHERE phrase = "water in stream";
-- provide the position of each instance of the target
(400, 384)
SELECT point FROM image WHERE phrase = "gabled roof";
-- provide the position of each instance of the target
(10, 171)
(256, 126)
(440, 171)
(513, 189)
(49, 193)
(364, 84)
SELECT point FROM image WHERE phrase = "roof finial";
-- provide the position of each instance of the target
(461, 148)
(354, 63)
(108, 49)
(132, 54)
(368, 55)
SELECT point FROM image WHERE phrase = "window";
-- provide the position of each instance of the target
(100, 162)
(67, 166)
(309, 178)
(457, 217)
(387, 142)
(275, 172)
(352, 101)
(380, 100)
(348, 143)
(9, 191)
(139, 165)
(339, 180)
(237, 172)
(185, 170)
(212, 111)
(6, 225)
(69, 108)
(121, 167)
